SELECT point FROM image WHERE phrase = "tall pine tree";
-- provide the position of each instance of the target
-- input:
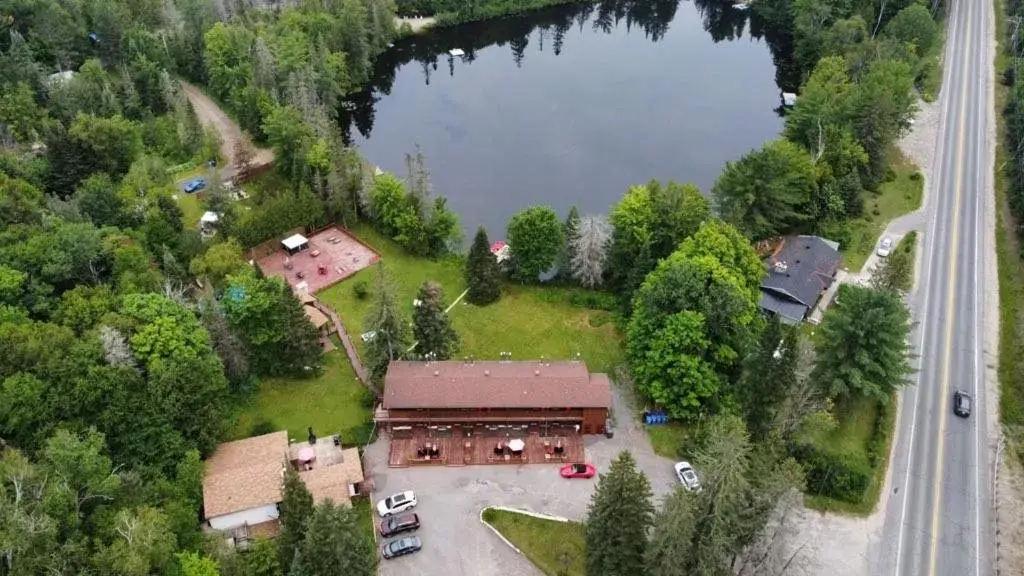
(435, 337)
(618, 519)
(569, 231)
(390, 332)
(482, 273)
(335, 543)
(296, 507)
(768, 376)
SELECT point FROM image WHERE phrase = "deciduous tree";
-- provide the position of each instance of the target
(618, 520)
(483, 277)
(863, 347)
(536, 238)
(435, 337)
(270, 319)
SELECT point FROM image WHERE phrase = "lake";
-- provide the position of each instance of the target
(571, 105)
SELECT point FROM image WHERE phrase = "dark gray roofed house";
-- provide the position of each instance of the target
(799, 270)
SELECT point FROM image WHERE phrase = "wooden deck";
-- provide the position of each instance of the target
(479, 450)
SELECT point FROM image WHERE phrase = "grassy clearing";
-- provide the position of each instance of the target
(364, 508)
(895, 198)
(556, 548)
(668, 439)
(191, 208)
(859, 432)
(528, 321)
(1011, 272)
(334, 403)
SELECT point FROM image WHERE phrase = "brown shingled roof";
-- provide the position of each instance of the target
(245, 474)
(524, 384)
(315, 316)
(331, 482)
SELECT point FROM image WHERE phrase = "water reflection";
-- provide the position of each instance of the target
(547, 29)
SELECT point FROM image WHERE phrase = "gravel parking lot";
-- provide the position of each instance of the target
(455, 543)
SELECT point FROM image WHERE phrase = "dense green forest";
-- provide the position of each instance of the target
(118, 372)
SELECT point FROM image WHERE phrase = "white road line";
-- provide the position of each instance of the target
(979, 218)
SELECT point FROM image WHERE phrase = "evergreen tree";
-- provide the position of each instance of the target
(618, 519)
(672, 536)
(390, 332)
(569, 231)
(864, 345)
(435, 337)
(768, 376)
(482, 273)
(335, 543)
(296, 508)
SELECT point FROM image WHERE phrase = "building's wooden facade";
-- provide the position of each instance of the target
(493, 398)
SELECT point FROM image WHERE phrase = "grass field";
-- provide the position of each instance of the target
(896, 198)
(528, 321)
(334, 403)
(855, 433)
(667, 439)
(556, 548)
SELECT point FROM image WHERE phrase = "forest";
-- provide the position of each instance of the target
(120, 372)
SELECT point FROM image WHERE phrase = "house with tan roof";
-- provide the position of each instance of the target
(244, 479)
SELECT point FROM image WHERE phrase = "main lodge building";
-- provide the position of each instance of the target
(497, 399)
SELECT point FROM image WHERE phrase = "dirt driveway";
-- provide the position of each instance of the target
(210, 114)
(450, 500)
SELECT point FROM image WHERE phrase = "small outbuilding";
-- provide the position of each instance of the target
(294, 244)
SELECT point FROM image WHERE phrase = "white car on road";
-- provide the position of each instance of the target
(396, 503)
(687, 476)
(885, 247)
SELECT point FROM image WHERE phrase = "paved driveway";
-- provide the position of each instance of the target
(450, 500)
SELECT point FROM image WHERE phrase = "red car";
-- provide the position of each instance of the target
(577, 471)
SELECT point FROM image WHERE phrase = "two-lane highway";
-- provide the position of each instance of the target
(938, 514)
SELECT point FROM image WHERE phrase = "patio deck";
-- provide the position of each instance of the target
(341, 255)
(482, 449)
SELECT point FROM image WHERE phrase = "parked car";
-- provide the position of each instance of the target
(393, 525)
(687, 476)
(396, 503)
(577, 471)
(962, 404)
(194, 185)
(885, 248)
(401, 547)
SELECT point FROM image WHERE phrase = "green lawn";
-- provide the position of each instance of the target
(528, 321)
(854, 434)
(191, 209)
(667, 439)
(896, 198)
(556, 548)
(334, 403)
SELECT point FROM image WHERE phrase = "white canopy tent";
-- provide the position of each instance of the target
(295, 243)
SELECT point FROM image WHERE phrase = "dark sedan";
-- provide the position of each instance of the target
(962, 404)
(401, 547)
(393, 525)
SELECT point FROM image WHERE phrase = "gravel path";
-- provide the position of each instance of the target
(210, 114)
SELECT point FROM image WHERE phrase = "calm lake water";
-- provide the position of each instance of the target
(571, 105)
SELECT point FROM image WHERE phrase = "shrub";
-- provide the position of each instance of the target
(261, 427)
(890, 174)
(360, 290)
(844, 477)
(916, 176)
